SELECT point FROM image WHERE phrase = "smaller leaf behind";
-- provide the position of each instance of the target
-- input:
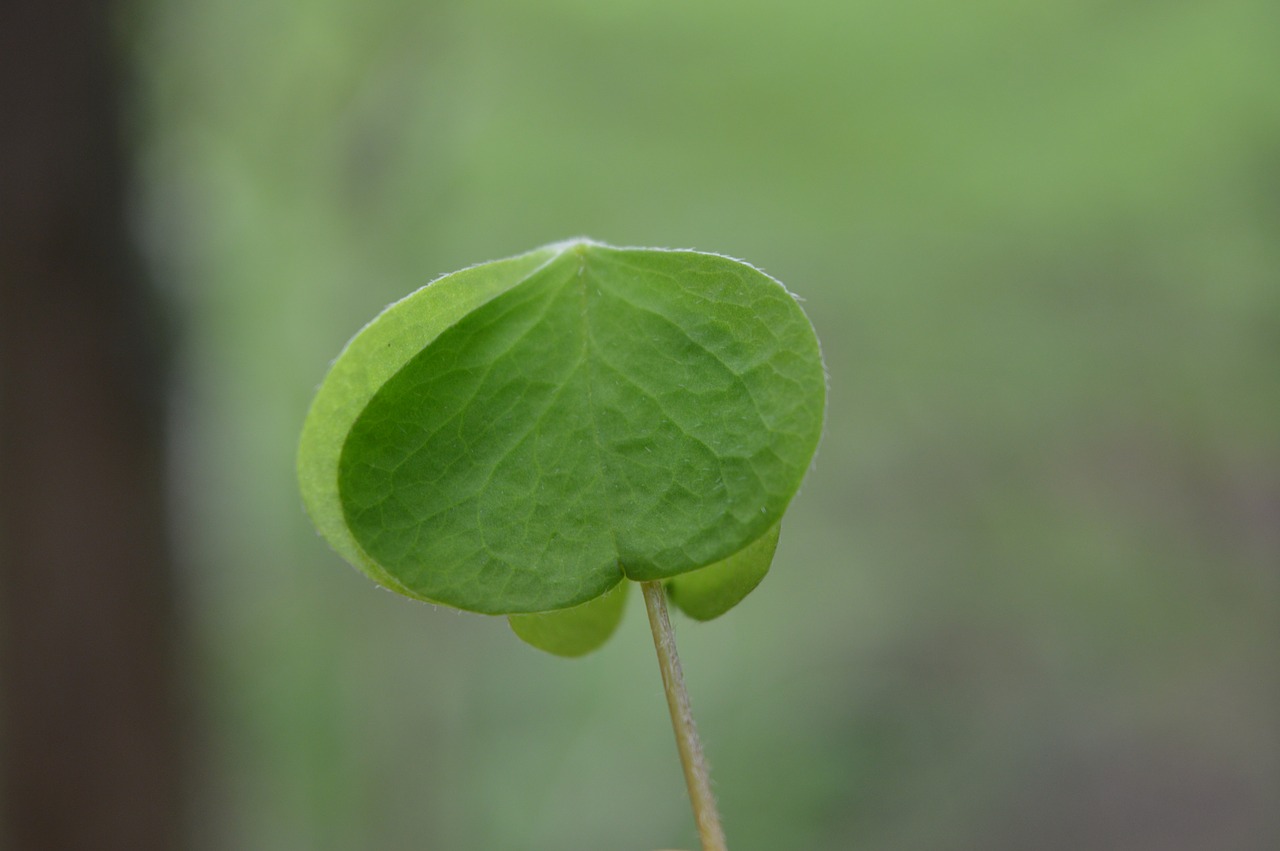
(577, 630)
(711, 591)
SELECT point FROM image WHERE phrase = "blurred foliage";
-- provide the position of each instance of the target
(1028, 595)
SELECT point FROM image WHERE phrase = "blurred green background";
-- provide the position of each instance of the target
(1028, 595)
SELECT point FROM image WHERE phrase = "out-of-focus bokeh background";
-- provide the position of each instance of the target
(1029, 595)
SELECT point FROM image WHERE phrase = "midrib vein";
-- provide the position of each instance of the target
(589, 349)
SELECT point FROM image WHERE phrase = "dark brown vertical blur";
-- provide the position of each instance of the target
(89, 757)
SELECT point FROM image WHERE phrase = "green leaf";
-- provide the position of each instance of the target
(374, 355)
(522, 435)
(574, 631)
(713, 590)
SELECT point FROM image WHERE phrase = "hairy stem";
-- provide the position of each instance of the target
(696, 773)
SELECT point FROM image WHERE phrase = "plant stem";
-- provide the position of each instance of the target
(696, 773)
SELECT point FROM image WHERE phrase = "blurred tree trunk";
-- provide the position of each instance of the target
(89, 757)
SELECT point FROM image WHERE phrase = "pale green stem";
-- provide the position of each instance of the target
(696, 773)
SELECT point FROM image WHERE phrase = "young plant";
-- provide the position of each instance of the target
(529, 437)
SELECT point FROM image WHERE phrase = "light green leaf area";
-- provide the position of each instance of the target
(551, 424)
(374, 355)
(711, 591)
(577, 630)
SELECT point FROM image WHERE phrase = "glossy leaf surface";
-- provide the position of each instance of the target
(520, 436)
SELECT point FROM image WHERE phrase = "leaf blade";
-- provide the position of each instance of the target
(367, 360)
(600, 412)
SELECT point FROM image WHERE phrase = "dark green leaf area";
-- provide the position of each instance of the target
(709, 592)
(615, 413)
(575, 631)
